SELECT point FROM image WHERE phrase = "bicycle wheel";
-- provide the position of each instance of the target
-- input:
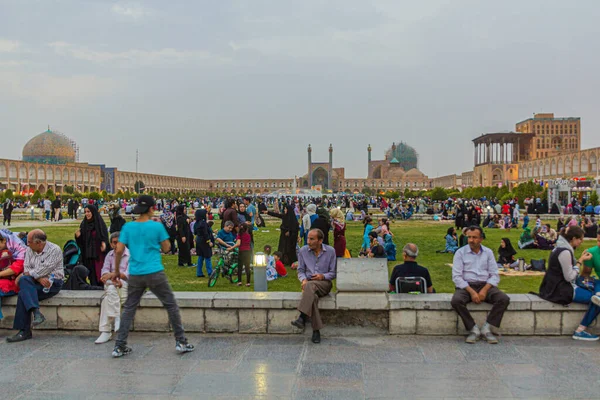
(213, 277)
(232, 273)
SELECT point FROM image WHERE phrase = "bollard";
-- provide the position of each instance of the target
(32, 212)
(260, 278)
(260, 272)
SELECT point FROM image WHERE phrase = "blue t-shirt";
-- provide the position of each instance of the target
(143, 241)
(251, 209)
(226, 237)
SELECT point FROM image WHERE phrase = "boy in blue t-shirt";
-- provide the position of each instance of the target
(145, 240)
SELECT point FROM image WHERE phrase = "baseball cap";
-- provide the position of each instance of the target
(144, 203)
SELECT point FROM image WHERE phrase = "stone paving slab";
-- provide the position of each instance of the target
(68, 365)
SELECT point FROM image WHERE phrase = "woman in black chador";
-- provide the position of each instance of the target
(289, 234)
(183, 237)
(92, 239)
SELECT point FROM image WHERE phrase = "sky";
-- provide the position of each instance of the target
(238, 89)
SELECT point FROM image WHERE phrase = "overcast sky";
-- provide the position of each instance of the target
(238, 89)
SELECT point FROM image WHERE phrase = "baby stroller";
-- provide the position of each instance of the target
(71, 256)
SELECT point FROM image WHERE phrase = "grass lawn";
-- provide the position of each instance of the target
(428, 235)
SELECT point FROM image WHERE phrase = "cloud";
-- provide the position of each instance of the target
(132, 11)
(50, 91)
(9, 46)
(136, 57)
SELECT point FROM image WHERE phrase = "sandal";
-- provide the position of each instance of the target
(239, 283)
(247, 285)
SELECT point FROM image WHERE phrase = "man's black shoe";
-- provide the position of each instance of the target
(316, 337)
(298, 323)
(38, 318)
(19, 337)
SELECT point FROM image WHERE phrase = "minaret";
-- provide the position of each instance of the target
(310, 183)
(329, 183)
(369, 163)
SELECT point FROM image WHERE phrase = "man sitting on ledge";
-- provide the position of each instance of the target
(42, 260)
(316, 269)
(410, 268)
(475, 275)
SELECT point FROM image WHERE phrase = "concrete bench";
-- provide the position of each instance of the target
(271, 312)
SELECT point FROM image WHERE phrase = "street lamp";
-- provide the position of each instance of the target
(32, 212)
(260, 272)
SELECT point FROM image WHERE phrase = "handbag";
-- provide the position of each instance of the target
(538, 265)
(586, 282)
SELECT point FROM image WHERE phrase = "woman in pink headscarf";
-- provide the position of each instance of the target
(12, 258)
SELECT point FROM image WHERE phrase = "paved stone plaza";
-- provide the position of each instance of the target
(59, 365)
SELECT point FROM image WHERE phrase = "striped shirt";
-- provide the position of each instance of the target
(49, 261)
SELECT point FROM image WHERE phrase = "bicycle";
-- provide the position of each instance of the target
(226, 266)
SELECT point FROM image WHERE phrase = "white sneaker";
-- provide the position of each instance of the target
(596, 299)
(103, 338)
(117, 323)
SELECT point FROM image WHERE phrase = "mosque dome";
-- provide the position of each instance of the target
(405, 156)
(49, 148)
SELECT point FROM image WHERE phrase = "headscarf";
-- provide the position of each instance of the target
(87, 227)
(14, 244)
(167, 218)
(508, 251)
(336, 213)
(311, 209)
(526, 236)
(289, 219)
(200, 215)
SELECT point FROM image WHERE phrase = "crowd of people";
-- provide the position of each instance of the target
(124, 259)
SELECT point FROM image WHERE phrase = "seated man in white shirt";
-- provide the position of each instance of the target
(115, 294)
(475, 275)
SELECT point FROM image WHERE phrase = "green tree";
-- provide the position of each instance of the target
(8, 194)
(36, 196)
(50, 194)
(594, 198)
(94, 196)
(438, 193)
(367, 191)
(69, 189)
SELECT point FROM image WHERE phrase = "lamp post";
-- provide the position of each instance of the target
(260, 272)
(32, 212)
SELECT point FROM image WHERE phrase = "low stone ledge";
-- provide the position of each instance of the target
(292, 299)
(271, 312)
(362, 301)
(441, 301)
(539, 304)
(184, 299)
(261, 300)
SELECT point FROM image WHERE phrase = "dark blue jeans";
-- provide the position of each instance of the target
(584, 296)
(30, 294)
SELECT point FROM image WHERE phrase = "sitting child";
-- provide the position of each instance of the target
(279, 267)
(110, 308)
(271, 271)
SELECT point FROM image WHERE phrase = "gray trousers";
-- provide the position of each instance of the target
(159, 285)
(309, 302)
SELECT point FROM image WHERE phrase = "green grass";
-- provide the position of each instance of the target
(428, 235)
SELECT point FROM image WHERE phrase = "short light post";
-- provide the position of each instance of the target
(32, 212)
(260, 272)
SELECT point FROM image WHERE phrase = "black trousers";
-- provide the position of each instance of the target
(495, 296)
(7, 218)
(244, 260)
